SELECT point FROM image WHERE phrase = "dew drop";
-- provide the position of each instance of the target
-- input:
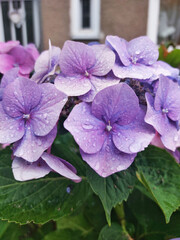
(135, 147)
(87, 126)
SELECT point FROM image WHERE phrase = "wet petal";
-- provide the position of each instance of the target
(116, 103)
(57, 164)
(23, 170)
(31, 147)
(87, 130)
(73, 86)
(134, 137)
(76, 58)
(9, 77)
(11, 129)
(105, 59)
(108, 160)
(45, 116)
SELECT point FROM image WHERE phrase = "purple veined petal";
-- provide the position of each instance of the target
(23, 170)
(31, 48)
(11, 130)
(57, 164)
(116, 103)
(99, 83)
(23, 59)
(73, 86)
(143, 50)
(168, 98)
(105, 59)
(108, 160)
(39, 77)
(45, 116)
(31, 147)
(76, 58)
(167, 130)
(120, 46)
(135, 137)
(138, 71)
(6, 63)
(20, 97)
(9, 77)
(161, 67)
(87, 130)
(5, 47)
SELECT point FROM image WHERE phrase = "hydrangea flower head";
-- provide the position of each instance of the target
(111, 131)
(82, 69)
(28, 116)
(163, 112)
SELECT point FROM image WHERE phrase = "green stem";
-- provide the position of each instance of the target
(119, 209)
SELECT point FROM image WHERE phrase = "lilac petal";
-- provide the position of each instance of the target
(161, 67)
(105, 59)
(108, 160)
(6, 63)
(76, 58)
(168, 97)
(156, 141)
(23, 170)
(134, 137)
(5, 47)
(137, 71)
(120, 46)
(57, 164)
(46, 115)
(20, 97)
(11, 130)
(167, 130)
(31, 147)
(39, 77)
(98, 83)
(144, 50)
(31, 48)
(116, 103)
(9, 77)
(23, 59)
(88, 131)
(73, 86)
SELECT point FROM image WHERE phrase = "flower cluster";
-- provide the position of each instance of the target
(127, 100)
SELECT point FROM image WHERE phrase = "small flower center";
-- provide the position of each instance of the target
(26, 116)
(108, 127)
(86, 74)
(165, 110)
(134, 59)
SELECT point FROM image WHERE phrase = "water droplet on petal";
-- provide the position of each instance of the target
(87, 126)
(135, 147)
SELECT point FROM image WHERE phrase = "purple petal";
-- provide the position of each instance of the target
(11, 130)
(31, 147)
(160, 67)
(9, 77)
(144, 50)
(73, 86)
(99, 83)
(31, 48)
(20, 97)
(45, 116)
(138, 71)
(6, 63)
(76, 58)
(108, 160)
(134, 137)
(24, 170)
(57, 164)
(120, 46)
(116, 103)
(105, 59)
(87, 130)
(168, 97)
(7, 46)
(167, 130)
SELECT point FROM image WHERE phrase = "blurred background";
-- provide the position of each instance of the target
(38, 21)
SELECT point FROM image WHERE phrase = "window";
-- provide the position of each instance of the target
(19, 20)
(85, 19)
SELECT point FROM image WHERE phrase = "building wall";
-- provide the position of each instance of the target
(125, 18)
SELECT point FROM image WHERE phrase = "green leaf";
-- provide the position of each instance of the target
(160, 174)
(149, 220)
(65, 234)
(114, 232)
(113, 189)
(172, 58)
(39, 200)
